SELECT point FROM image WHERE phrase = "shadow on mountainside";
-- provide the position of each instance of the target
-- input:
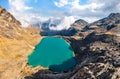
(46, 74)
(93, 49)
(59, 73)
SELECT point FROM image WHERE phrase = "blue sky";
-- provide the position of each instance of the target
(89, 10)
(46, 7)
(4, 3)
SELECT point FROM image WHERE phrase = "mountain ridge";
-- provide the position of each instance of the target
(16, 43)
(111, 19)
(97, 51)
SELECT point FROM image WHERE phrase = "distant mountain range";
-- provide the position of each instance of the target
(61, 26)
(107, 22)
(65, 26)
(113, 18)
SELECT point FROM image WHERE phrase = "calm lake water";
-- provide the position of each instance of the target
(53, 53)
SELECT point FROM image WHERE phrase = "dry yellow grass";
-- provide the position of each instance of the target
(16, 43)
(13, 55)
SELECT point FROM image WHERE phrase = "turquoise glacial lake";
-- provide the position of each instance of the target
(53, 53)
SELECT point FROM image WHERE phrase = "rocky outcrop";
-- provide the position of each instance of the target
(105, 24)
(9, 26)
(115, 30)
(5, 15)
(98, 57)
(79, 24)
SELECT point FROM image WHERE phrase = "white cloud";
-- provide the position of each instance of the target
(86, 11)
(90, 19)
(61, 3)
(91, 11)
(19, 9)
(19, 5)
(64, 23)
(92, 8)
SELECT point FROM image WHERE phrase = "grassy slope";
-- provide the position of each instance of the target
(13, 55)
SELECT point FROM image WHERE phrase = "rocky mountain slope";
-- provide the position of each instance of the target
(107, 22)
(79, 24)
(98, 57)
(98, 54)
(102, 25)
(53, 26)
(113, 18)
(115, 30)
(15, 45)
